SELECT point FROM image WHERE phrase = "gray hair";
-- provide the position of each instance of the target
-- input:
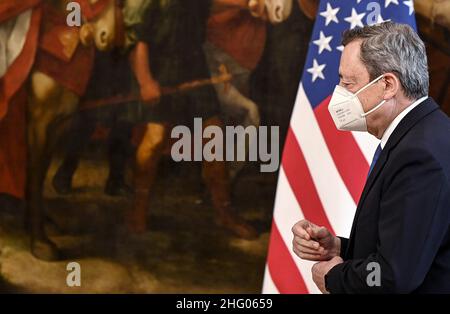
(393, 47)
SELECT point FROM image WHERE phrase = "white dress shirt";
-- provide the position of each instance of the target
(390, 129)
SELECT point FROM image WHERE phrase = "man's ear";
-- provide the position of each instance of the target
(392, 85)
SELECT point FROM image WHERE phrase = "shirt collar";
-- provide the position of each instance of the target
(390, 129)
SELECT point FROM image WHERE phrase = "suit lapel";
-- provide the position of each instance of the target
(404, 126)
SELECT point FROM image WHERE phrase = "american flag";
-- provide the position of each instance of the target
(323, 170)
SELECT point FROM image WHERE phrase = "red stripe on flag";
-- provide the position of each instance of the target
(345, 151)
(282, 268)
(301, 182)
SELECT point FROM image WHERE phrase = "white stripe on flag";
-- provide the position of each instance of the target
(287, 212)
(268, 285)
(334, 195)
(367, 143)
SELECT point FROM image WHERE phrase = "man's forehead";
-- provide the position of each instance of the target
(351, 66)
(354, 73)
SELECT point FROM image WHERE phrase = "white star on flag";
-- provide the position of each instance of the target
(330, 14)
(340, 48)
(316, 70)
(388, 2)
(323, 42)
(355, 19)
(410, 5)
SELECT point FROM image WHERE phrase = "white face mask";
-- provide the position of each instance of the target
(347, 111)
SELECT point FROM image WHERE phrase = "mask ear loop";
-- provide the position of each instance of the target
(371, 83)
(373, 109)
(362, 89)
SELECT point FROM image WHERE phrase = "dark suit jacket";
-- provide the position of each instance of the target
(402, 221)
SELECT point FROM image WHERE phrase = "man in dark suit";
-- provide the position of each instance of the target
(400, 238)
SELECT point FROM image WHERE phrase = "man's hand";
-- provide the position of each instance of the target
(151, 92)
(314, 243)
(320, 269)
